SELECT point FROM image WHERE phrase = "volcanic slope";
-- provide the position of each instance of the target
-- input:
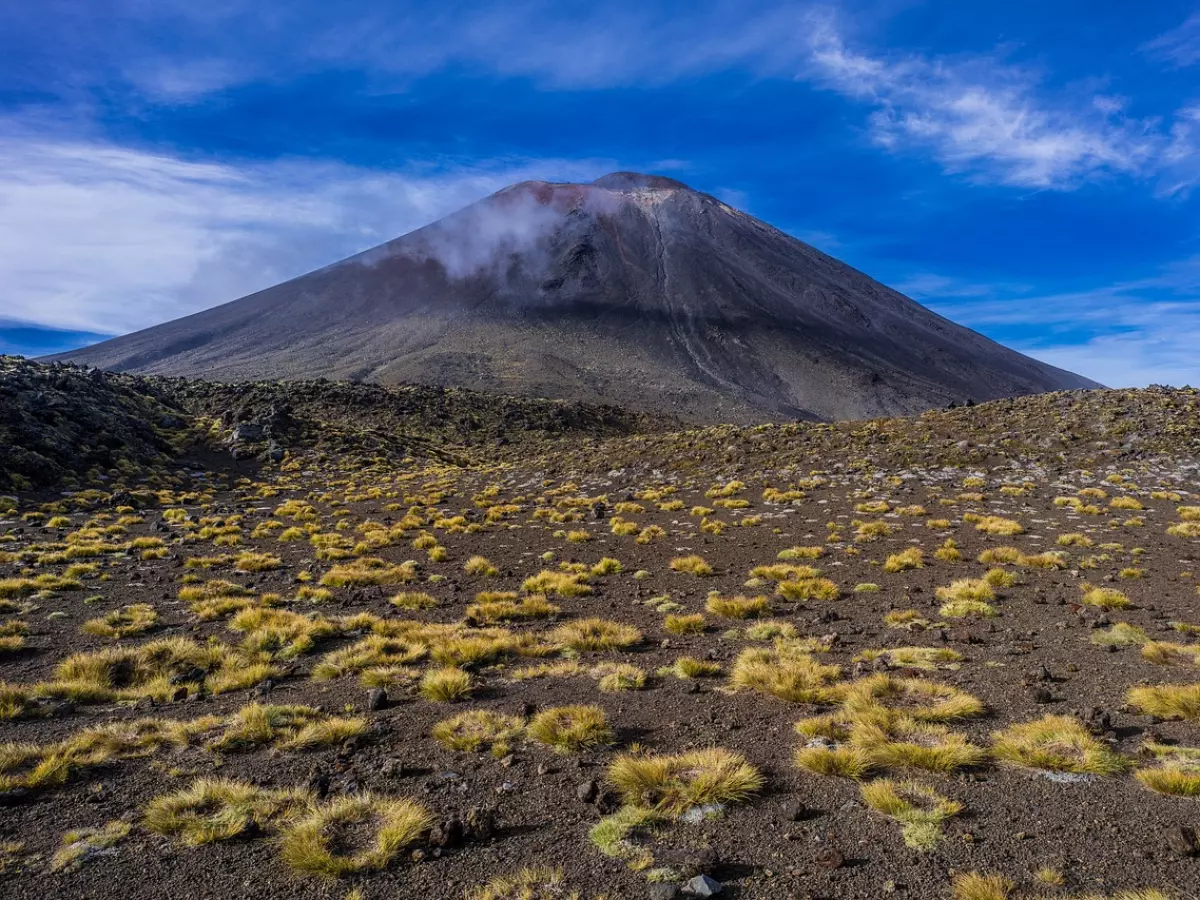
(633, 289)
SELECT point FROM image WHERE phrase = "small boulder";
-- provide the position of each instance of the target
(703, 886)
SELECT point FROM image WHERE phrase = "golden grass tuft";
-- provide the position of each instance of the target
(787, 674)
(218, 809)
(446, 685)
(531, 883)
(670, 785)
(691, 623)
(413, 600)
(285, 727)
(973, 886)
(1056, 744)
(369, 570)
(372, 652)
(571, 729)
(738, 607)
(691, 565)
(918, 808)
(595, 634)
(477, 729)
(256, 562)
(1177, 772)
(1000, 526)
(1167, 701)
(557, 584)
(480, 566)
(901, 742)
(926, 701)
(314, 844)
(1105, 598)
(127, 621)
(489, 612)
(912, 558)
(808, 589)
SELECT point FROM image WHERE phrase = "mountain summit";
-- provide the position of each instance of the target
(632, 289)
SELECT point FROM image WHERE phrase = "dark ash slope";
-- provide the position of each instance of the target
(633, 290)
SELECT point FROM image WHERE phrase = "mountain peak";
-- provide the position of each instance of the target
(632, 181)
(627, 290)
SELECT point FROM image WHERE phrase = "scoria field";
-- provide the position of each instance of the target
(339, 641)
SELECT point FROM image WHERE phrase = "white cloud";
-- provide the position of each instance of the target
(1128, 334)
(102, 238)
(1180, 46)
(982, 116)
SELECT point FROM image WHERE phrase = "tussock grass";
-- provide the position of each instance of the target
(1120, 634)
(912, 558)
(1167, 701)
(533, 883)
(413, 600)
(557, 584)
(901, 742)
(571, 729)
(156, 669)
(808, 589)
(769, 630)
(280, 633)
(595, 634)
(973, 886)
(1056, 744)
(801, 553)
(926, 701)
(615, 677)
(315, 844)
(691, 565)
(285, 727)
(478, 729)
(691, 623)
(918, 808)
(369, 570)
(1177, 772)
(999, 526)
(671, 784)
(372, 652)
(614, 836)
(833, 761)
(218, 809)
(787, 674)
(1105, 598)
(480, 566)
(738, 607)
(446, 685)
(127, 621)
(256, 562)
(78, 845)
(489, 612)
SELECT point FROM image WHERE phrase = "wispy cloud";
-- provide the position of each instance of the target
(984, 116)
(1132, 333)
(108, 239)
(1180, 46)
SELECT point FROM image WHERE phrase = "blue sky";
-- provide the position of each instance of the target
(1030, 169)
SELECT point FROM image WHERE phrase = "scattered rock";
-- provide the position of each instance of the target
(703, 886)
(587, 791)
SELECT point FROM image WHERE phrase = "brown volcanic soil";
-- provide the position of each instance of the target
(1103, 834)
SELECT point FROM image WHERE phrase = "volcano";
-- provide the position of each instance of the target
(632, 289)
